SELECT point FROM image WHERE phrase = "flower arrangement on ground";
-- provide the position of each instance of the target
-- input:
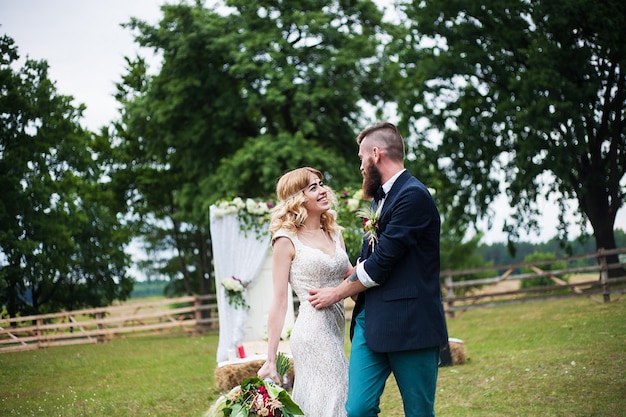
(234, 292)
(284, 335)
(256, 397)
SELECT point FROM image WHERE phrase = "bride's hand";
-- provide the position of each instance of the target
(268, 370)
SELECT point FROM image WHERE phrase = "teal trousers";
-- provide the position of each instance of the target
(415, 372)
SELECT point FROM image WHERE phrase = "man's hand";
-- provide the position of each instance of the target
(323, 297)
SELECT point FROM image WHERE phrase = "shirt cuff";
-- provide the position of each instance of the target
(364, 277)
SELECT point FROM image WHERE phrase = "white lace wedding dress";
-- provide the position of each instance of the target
(317, 337)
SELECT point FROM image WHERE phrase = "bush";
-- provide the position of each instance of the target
(541, 281)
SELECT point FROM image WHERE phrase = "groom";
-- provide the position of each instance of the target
(398, 321)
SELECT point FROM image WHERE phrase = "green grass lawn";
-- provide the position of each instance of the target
(558, 358)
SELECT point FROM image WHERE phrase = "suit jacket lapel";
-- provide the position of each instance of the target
(389, 199)
(393, 193)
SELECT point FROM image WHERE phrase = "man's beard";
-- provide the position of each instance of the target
(372, 180)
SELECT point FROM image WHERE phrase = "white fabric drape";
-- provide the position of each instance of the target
(235, 253)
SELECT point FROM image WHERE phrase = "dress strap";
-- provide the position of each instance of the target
(285, 233)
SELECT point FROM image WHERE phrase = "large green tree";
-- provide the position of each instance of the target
(241, 96)
(528, 97)
(61, 247)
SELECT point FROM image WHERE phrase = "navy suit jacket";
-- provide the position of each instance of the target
(405, 311)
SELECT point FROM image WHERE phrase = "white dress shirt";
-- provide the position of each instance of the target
(360, 268)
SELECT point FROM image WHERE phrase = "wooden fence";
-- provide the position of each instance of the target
(462, 290)
(190, 314)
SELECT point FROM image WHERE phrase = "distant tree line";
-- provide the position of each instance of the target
(499, 254)
(152, 288)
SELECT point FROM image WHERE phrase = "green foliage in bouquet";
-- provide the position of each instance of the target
(282, 365)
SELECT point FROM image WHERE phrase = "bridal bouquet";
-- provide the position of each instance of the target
(257, 397)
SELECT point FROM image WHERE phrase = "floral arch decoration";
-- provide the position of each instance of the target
(241, 241)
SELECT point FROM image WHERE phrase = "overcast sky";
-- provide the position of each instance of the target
(85, 46)
(83, 43)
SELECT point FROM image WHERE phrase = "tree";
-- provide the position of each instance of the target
(61, 245)
(527, 95)
(239, 99)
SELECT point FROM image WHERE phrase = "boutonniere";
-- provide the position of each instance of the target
(370, 224)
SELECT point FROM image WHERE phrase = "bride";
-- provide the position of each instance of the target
(308, 252)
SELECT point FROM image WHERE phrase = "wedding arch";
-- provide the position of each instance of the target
(243, 276)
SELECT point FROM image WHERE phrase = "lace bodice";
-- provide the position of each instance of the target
(312, 268)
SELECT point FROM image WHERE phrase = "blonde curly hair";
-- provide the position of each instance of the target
(289, 213)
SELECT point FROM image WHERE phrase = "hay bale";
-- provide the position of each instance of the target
(457, 351)
(230, 375)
